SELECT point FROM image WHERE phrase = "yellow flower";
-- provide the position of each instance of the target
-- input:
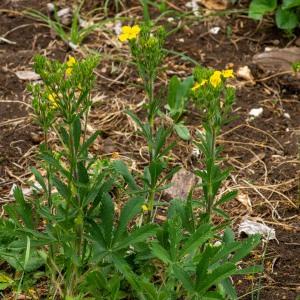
(215, 79)
(53, 100)
(228, 73)
(70, 63)
(69, 71)
(129, 33)
(145, 208)
(203, 82)
(197, 85)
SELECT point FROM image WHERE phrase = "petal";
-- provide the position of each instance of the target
(131, 36)
(71, 61)
(69, 71)
(123, 37)
(136, 29)
(126, 29)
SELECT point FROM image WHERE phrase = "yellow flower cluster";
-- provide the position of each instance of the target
(129, 33)
(215, 79)
(53, 100)
(70, 63)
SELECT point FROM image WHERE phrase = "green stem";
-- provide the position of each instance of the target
(151, 199)
(210, 163)
(49, 196)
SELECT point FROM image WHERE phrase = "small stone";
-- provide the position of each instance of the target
(215, 30)
(182, 182)
(108, 146)
(36, 137)
(245, 73)
(27, 75)
(256, 112)
(215, 4)
(50, 7)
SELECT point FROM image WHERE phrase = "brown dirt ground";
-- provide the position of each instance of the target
(262, 151)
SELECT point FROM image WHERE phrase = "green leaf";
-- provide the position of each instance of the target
(250, 270)
(287, 4)
(76, 133)
(23, 208)
(200, 236)
(62, 188)
(211, 295)
(39, 178)
(173, 85)
(5, 281)
(183, 276)
(216, 275)
(258, 8)
(247, 245)
(138, 235)
(161, 253)
(228, 236)
(229, 289)
(97, 235)
(182, 131)
(286, 19)
(19, 262)
(107, 214)
(226, 197)
(88, 142)
(125, 269)
(55, 163)
(129, 211)
(122, 169)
